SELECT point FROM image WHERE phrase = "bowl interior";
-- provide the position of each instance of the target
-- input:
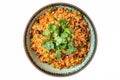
(48, 68)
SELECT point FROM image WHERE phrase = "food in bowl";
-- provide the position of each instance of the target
(60, 37)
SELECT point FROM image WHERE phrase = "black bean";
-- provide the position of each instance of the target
(33, 49)
(88, 40)
(38, 54)
(37, 20)
(45, 62)
(37, 32)
(79, 22)
(64, 56)
(31, 36)
(54, 9)
(75, 55)
(82, 55)
(79, 26)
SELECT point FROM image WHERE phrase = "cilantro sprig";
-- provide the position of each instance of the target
(48, 45)
(59, 38)
(71, 48)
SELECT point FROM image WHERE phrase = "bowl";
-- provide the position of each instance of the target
(48, 68)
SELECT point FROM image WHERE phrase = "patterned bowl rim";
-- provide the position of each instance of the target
(28, 55)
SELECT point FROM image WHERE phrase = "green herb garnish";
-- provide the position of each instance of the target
(49, 62)
(53, 28)
(57, 54)
(70, 10)
(55, 34)
(55, 19)
(48, 45)
(50, 8)
(59, 38)
(64, 35)
(46, 33)
(83, 58)
(78, 15)
(63, 23)
(80, 47)
(71, 49)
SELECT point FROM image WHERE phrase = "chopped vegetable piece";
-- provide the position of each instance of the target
(68, 38)
(57, 54)
(63, 23)
(70, 10)
(78, 15)
(58, 40)
(72, 35)
(83, 58)
(70, 44)
(48, 45)
(46, 33)
(49, 62)
(70, 50)
(64, 35)
(50, 8)
(68, 30)
(55, 34)
(53, 27)
(62, 46)
(80, 47)
(64, 41)
(68, 67)
(55, 19)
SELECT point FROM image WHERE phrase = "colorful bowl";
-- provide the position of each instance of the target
(48, 68)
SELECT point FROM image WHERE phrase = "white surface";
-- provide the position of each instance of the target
(14, 64)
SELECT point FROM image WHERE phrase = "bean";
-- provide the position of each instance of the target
(54, 9)
(37, 32)
(31, 36)
(64, 56)
(37, 20)
(38, 54)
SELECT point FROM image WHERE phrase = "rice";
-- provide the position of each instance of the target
(81, 37)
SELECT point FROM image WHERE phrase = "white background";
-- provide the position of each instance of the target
(14, 64)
